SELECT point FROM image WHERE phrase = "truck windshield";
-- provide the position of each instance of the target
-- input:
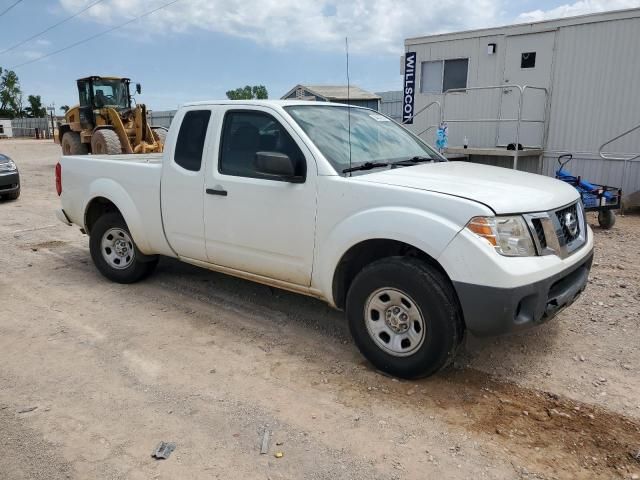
(111, 93)
(375, 139)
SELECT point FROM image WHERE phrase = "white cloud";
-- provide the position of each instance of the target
(581, 7)
(43, 42)
(371, 25)
(32, 54)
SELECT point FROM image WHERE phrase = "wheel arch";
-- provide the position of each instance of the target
(364, 253)
(386, 230)
(108, 196)
(97, 207)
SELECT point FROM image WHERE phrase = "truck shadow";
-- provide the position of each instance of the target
(540, 429)
(506, 355)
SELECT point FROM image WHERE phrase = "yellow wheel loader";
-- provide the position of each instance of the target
(105, 122)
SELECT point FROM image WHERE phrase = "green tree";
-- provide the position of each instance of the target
(10, 94)
(248, 93)
(64, 108)
(35, 108)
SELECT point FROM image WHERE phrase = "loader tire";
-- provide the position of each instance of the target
(71, 144)
(161, 133)
(105, 142)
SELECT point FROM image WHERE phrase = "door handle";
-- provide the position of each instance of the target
(213, 191)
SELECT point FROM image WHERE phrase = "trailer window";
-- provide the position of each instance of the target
(528, 60)
(431, 77)
(455, 74)
(190, 144)
(438, 76)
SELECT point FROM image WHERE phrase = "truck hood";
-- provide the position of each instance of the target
(501, 189)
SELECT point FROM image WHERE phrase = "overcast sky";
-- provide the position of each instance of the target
(199, 49)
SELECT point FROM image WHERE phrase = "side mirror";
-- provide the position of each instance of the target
(138, 88)
(277, 165)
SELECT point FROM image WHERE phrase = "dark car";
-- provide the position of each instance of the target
(9, 178)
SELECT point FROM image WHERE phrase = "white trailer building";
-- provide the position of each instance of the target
(5, 128)
(559, 86)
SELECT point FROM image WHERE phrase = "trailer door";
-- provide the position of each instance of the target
(528, 61)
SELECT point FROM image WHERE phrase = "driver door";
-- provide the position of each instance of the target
(256, 224)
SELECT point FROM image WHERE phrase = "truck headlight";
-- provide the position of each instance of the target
(510, 236)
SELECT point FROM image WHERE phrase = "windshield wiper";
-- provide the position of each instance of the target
(411, 161)
(365, 166)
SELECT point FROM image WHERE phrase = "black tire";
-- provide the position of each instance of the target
(71, 144)
(161, 133)
(12, 196)
(606, 219)
(435, 298)
(105, 142)
(141, 265)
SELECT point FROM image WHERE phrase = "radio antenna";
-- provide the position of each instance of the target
(346, 44)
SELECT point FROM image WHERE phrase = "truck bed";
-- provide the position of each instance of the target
(131, 181)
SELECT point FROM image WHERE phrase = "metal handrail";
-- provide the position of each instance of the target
(427, 129)
(435, 102)
(608, 156)
(519, 120)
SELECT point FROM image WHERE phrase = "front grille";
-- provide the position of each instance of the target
(569, 224)
(558, 232)
(537, 225)
(11, 186)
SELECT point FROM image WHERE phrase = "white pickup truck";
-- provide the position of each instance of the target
(345, 205)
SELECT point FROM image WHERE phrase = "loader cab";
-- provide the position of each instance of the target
(102, 92)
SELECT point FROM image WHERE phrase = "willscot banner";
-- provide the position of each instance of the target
(409, 86)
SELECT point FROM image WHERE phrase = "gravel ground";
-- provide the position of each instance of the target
(94, 374)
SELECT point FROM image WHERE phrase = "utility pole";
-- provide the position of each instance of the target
(52, 109)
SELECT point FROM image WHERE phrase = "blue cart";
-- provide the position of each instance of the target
(595, 198)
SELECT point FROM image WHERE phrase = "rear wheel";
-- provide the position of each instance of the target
(105, 142)
(71, 144)
(114, 252)
(606, 219)
(404, 317)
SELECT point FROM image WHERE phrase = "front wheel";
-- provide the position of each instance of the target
(115, 254)
(404, 317)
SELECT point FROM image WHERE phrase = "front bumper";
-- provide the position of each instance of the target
(9, 182)
(493, 311)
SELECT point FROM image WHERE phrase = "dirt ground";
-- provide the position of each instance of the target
(93, 375)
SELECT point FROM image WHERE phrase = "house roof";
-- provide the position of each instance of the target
(336, 92)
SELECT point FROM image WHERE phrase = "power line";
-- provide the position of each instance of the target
(13, 47)
(9, 7)
(92, 37)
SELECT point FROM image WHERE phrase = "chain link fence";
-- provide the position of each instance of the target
(31, 127)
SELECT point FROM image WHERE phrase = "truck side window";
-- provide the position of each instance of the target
(190, 144)
(246, 132)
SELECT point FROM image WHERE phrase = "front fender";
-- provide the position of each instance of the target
(423, 230)
(115, 193)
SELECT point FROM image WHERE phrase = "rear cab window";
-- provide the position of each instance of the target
(191, 138)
